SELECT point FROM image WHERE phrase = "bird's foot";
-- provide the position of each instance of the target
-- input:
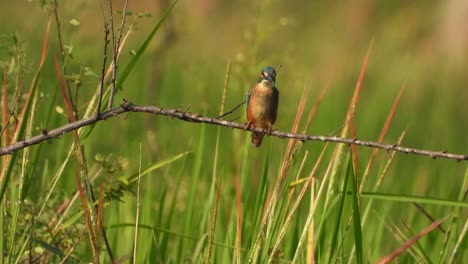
(247, 125)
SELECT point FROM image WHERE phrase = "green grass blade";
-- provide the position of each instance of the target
(124, 74)
(49, 247)
(457, 234)
(337, 226)
(26, 111)
(72, 220)
(132, 178)
(195, 177)
(413, 198)
(418, 248)
(356, 212)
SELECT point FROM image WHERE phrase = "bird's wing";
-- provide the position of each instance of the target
(276, 96)
(247, 100)
(275, 102)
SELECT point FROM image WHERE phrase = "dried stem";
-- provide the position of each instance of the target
(103, 74)
(115, 49)
(197, 118)
(73, 101)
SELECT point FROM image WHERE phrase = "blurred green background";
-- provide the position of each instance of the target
(422, 43)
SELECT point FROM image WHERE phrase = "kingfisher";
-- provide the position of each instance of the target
(262, 104)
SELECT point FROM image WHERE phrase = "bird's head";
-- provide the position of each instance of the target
(268, 73)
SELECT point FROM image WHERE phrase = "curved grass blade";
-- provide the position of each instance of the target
(356, 213)
(124, 74)
(413, 198)
(156, 166)
(340, 214)
(19, 129)
(409, 243)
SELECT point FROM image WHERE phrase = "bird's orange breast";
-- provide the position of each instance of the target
(262, 106)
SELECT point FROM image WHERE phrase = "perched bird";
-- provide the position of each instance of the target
(262, 104)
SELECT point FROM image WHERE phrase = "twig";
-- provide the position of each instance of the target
(226, 85)
(429, 216)
(8, 119)
(122, 25)
(232, 110)
(341, 127)
(114, 65)
(103, 74)
(73, 101)
(197, 118)
(115, 48)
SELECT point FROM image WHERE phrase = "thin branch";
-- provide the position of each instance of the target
(59, 30)
(115, 48)
(103, 74)
(197, 118)
(73, 101)
(122, 25)
(8, 119)
(232, 110)
(114, 65)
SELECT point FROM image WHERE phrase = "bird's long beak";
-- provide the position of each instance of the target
(268, 77)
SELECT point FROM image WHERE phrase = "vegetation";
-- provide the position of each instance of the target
(148, 189)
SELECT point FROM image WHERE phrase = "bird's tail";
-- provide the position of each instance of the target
(257, 139)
